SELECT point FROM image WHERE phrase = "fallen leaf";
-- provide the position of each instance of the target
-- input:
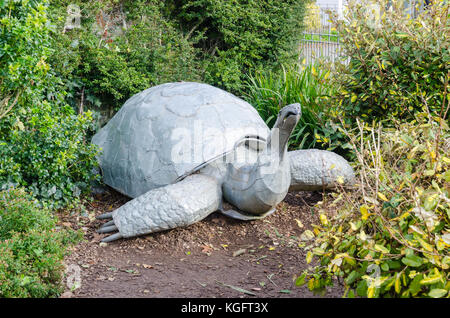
(239, 252)
(207, 249)
(299, 223)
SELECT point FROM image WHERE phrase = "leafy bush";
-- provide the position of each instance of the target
(48, 155)
(237, 36)
(312, 17)
(308, 85)
(42, 140)
(123, 47)
(390, 237)
(396, 62)
(119, 49)
(31, 249)
(23, 50)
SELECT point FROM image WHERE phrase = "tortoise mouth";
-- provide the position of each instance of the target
(290, 115)
(289, 121)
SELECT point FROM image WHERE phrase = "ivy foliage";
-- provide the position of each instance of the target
(24, 47)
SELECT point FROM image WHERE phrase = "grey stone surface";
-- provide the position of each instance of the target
(175, 205)
(177, 148)
(138, 143)
(315, 169)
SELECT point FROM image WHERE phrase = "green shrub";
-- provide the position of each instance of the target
(123, 47)
(109, 59)
(397, 64)
(48, 155)
(308, 85)
(24, 46)
(390, 237)
(240, 35)
(42, 141)
(31, 249)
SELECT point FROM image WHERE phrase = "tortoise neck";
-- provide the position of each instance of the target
(277, 143)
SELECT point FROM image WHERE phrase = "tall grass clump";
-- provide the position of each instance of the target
(308, 85)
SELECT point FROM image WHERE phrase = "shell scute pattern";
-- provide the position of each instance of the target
(197, 121)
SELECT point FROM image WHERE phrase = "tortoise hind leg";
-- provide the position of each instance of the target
(315, 169)
(175, 205)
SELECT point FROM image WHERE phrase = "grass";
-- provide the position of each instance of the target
(269, 91)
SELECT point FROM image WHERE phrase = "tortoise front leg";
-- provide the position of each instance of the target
(176, 205)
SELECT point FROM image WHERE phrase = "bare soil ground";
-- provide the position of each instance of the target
(218, 257)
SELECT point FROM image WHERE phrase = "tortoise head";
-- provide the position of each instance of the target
(258, 187)
(287, 119)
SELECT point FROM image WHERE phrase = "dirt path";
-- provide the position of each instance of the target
(217, 257)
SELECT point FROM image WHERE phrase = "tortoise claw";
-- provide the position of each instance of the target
(109, 223)
(112, 238)
(105, 216)
(107, 229)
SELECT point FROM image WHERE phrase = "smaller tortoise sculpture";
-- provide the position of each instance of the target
(182, 149)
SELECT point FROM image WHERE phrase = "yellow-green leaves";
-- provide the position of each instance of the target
(381, 248)
(382, 196)
(307, 235)
(437, 293)
(412, 260)
(397, 69)
(398, 283)
(323, 219)
(364, 209)
(309, 256)
(396, 218)
(433, 278)
(340, 180)
(371, 290)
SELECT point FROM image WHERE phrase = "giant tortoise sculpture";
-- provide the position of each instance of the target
(181, 150)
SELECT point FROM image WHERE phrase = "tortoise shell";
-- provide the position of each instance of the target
(169, 131)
